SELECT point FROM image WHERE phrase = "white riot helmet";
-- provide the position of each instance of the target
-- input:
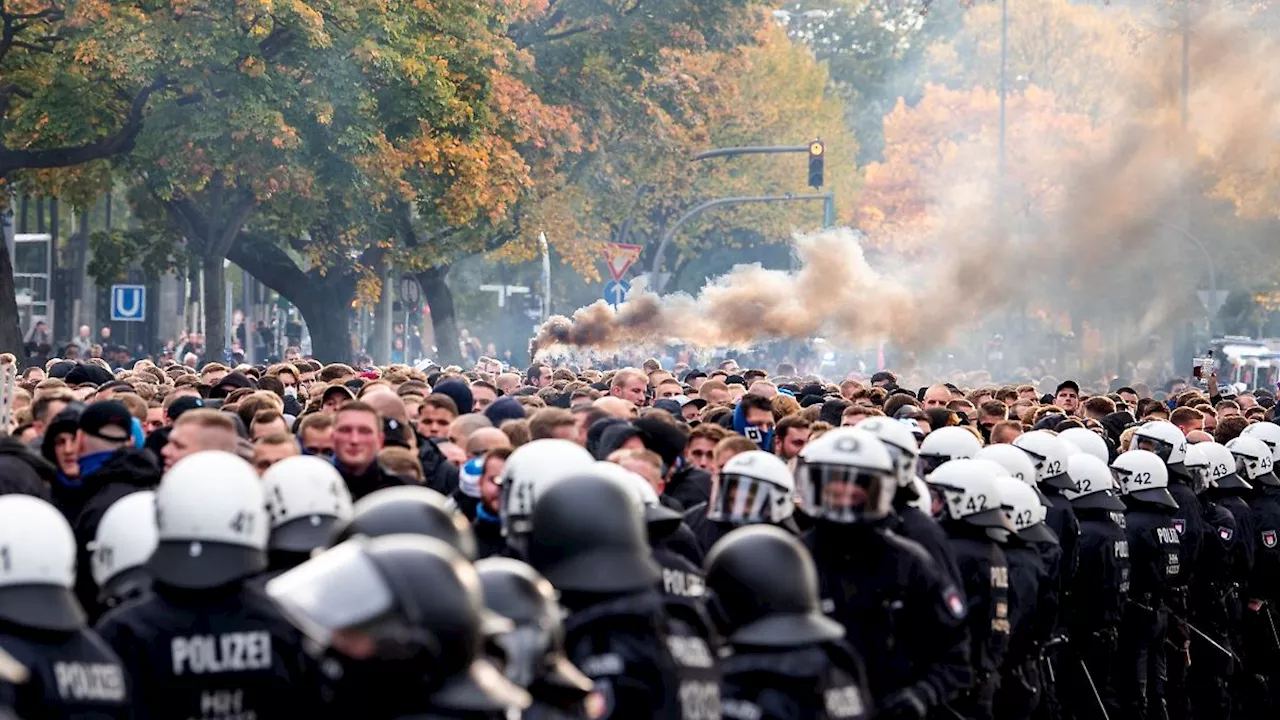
(1025, 510)
(1016, 462)
(126, 537)
(1088, 441)
(969, 493)
(660, 520)
(1142, 475)
(37, 566)
(306, 498)
(901, 443)
(530, 470)
(1049, 455)
(1197, 466)
(839, 467)
(1253, 460)
(1165, 440)
(943, 445)
(1096, 488)
(1267, 432)
(211, 513)
(753, 487)
(1221, 471)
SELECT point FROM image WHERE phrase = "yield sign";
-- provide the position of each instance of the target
(619, 257)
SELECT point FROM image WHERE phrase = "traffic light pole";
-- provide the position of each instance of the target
(828, 200)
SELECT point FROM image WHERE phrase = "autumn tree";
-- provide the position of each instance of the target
(60, 109)
(940, 160)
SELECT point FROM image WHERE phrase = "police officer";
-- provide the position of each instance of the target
(126, 538)
(205, 643)
(1213, 581)
(910, 500)
(533, 468)
(900, 614)
(1167, 441)
(53, 666)
(406, 613)
(681, 583)
(1256, 465)
(1100, 587)
(1154, 545)
(1228, 488)
(752, 487)
(532, 652)
(588, 540)
(1020, 686)
(306, 499)
(412, 510)
(788, 660)
(968, 502)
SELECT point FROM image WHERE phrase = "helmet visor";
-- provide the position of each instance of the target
(928, 463)
(1242, 465)
(841, 493)
(743, 500)
(337, 590)
(1161, 448)
(524, 650)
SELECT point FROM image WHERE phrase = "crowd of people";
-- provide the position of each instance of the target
(321, 540)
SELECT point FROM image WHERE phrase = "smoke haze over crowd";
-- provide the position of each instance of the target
(1120, 210)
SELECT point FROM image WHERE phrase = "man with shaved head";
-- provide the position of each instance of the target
(463, 426)
(486, 439)
(617, 407)
(937, 396)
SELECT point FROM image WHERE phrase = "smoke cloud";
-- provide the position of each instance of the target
(1112, 225)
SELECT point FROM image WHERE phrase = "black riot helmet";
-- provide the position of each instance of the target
(587, 537)
(417, 599)
(762, 590)
(410, 509)
(533, 650)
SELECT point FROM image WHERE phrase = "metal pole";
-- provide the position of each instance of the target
(671, 231)
(1004, 85)
(829, 211)
(1208, 259)
(546, 277)
(768, 150)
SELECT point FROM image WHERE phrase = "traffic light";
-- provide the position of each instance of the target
(816, 151)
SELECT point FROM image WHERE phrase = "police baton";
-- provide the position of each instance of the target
(1197, 631)
(1096, 696)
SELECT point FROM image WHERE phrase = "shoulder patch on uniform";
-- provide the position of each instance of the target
(600, 701)
(740, 709)
(955, 603)
(1269, 538)
(603, 665)
(1225, 533)
(1180, 525)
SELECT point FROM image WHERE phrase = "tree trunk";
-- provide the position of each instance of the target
(10, 333)
(325, 311)
(324, 301)
(444, 319)
(215, 310)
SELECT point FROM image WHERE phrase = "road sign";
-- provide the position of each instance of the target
(619, 256)
(410, 291)
(615, 292)
(128, 303)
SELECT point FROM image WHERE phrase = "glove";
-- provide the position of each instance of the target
(905, 704)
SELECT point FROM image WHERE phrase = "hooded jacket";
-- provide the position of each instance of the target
(120, 473)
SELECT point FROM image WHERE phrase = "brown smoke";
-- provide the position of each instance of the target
(1114, 221)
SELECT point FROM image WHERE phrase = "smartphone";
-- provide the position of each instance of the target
(1203, 367)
